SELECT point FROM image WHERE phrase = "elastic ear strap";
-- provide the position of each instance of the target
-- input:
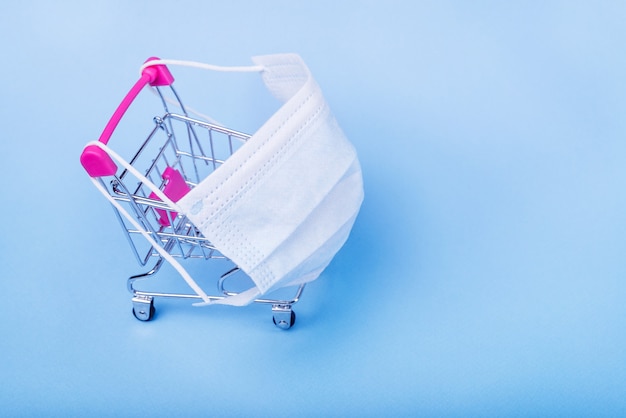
(240, 299)
(201, 65)
(167, 256)
(137, 174)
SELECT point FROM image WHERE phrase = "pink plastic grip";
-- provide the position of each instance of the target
(96, 162)
(175, 188)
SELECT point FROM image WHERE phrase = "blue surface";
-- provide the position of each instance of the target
(485, 275)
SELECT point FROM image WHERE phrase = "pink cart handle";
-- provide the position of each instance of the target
(95, 160)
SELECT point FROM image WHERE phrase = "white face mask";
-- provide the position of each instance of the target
(283, 205)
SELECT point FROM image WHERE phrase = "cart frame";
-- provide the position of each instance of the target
(178, 153)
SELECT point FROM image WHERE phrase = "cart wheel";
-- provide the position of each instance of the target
(142, 315)
(283, 321)
(143, 308)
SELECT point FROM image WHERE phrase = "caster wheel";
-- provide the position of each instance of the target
(144, 310)
(284, 320)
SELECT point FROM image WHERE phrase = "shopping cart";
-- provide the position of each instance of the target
(177, 154)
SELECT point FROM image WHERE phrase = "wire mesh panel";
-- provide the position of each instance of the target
(178, 153)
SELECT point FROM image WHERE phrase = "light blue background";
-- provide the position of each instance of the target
(485, 275)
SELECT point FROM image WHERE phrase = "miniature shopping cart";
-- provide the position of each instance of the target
(176, 155)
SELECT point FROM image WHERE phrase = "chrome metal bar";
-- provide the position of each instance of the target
(174, 295)
(140, 151)
(203, 158)
(213, 298)
(133, 279)
(217, 128)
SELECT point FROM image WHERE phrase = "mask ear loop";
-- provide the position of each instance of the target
(204, 66)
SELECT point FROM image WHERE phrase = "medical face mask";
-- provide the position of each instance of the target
(283, 205)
